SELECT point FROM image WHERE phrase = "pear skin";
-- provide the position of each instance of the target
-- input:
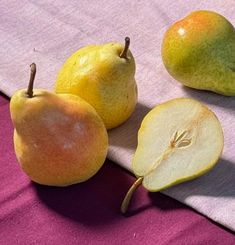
(59, 140)
(199, 52)
(103, 75)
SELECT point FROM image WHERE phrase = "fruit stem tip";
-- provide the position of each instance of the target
(31, 80)
(127, 198)
(124, 52)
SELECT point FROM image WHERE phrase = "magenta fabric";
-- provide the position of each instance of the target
(88, 213)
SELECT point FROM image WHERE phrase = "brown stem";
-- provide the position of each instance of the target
(124, 51)
(31, 80)
(127, 198)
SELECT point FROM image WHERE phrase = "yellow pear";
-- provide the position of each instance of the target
(199, 52)
(103, 75)
(59, 140)
(178, 140)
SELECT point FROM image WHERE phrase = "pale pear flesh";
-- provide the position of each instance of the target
(177, 141)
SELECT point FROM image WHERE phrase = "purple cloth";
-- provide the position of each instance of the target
(88, 213)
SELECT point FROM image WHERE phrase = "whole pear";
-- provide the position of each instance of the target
(199, 52)
(103, 75)
(59, 140)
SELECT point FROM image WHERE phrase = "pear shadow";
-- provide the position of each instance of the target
(125, 135)
(212, 98)
(95, 202)
(4, 99)
(218, 182)
(210, 184)
(155, 200)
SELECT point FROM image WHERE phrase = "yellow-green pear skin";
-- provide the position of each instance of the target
(59, 140)
(199, 52)
(178, 140)
(105, 80)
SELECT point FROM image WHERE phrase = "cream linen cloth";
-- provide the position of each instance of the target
(47, 32)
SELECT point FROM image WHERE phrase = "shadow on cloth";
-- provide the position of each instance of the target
(227, 102)
(97, 201)
(210, 184)
(94, 202)
(219, 182)
(125, 136)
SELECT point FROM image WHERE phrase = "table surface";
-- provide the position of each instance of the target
(88, 213)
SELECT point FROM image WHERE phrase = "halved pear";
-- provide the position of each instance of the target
(178, 140)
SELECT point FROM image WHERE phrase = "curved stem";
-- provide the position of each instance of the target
(31, 80)
(127, 198)
(124, 52)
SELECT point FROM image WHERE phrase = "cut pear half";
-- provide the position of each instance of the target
(178, 140)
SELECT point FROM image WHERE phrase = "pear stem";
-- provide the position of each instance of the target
(31, 80)
(124, 51)
(127, 198)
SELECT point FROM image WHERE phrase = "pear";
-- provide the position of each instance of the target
(199, 52)
(178, 140)
(103, 75)
(59, 140)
